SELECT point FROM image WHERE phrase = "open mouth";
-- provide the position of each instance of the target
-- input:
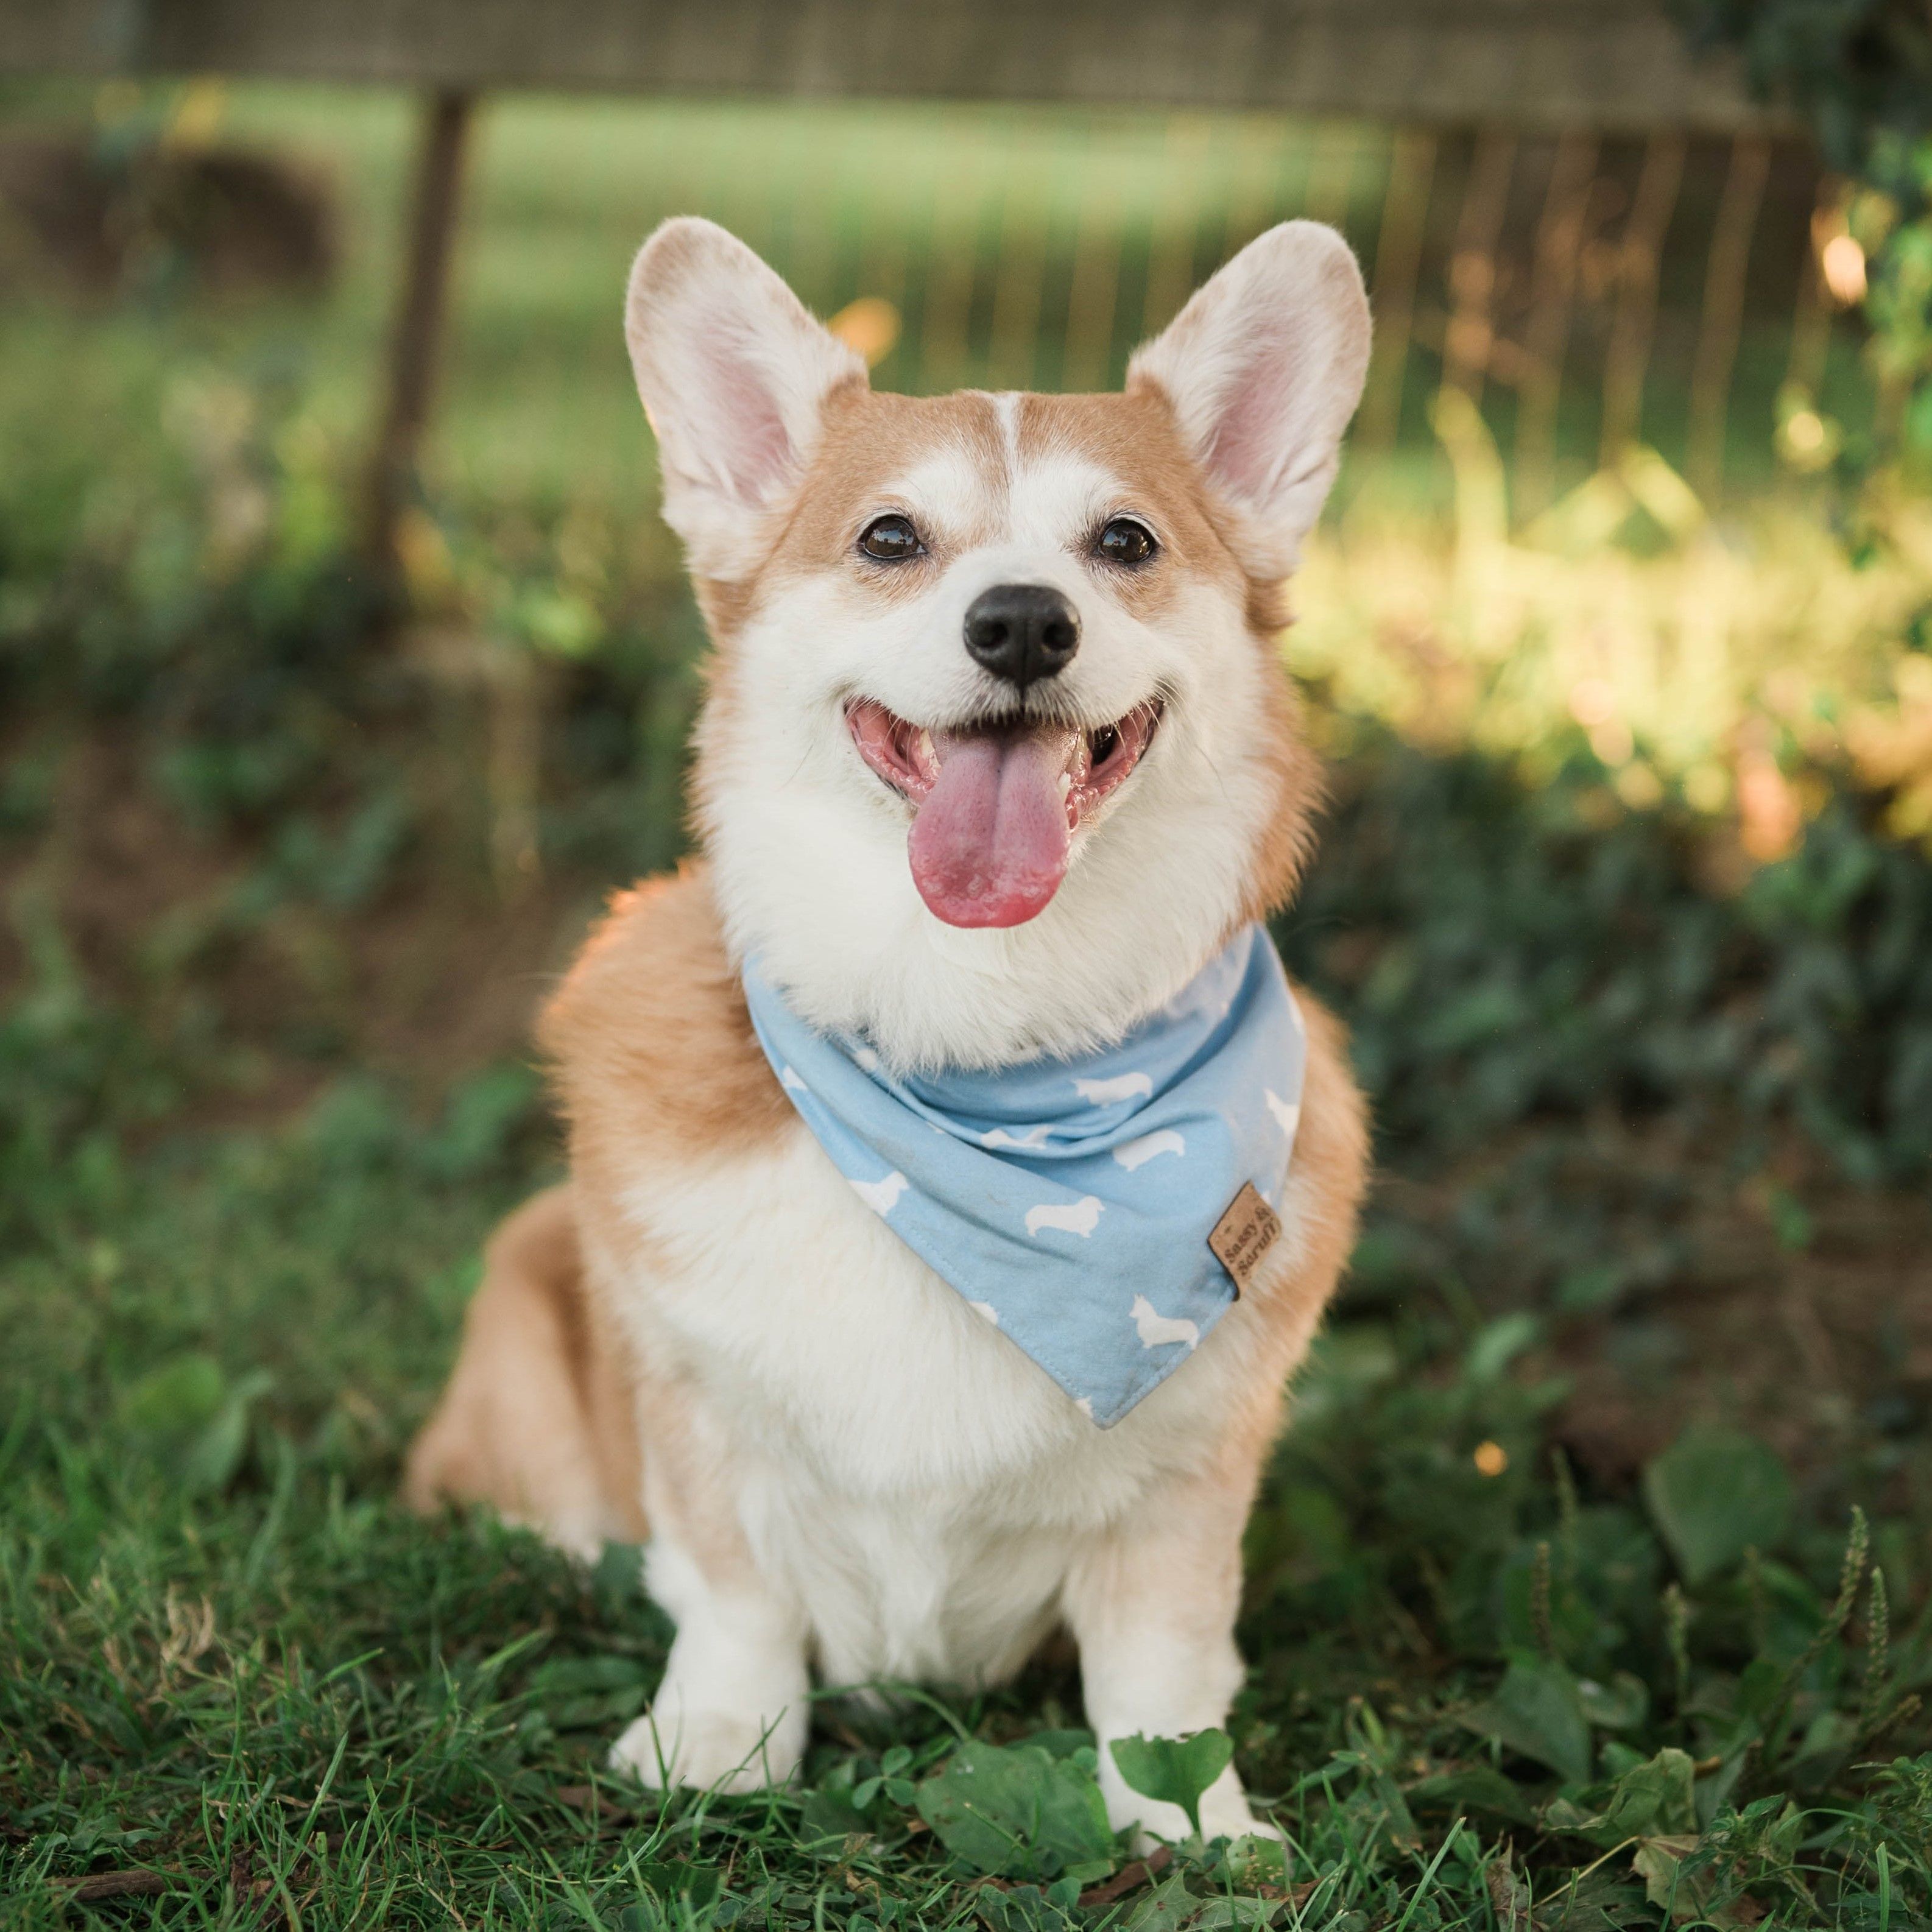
(995, 806)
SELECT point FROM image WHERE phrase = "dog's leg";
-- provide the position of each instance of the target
(1153, 1609)
(733, 1710)
(536, 1417)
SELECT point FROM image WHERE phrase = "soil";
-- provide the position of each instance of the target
(438, 974)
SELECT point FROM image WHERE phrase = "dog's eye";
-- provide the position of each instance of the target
(1124, 542)
(890, 539)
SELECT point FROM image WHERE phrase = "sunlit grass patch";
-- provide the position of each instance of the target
(1731, 663)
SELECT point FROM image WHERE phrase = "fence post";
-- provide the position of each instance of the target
(1640, 253)
(1559, 246)
(1398, 263)
(1469, 340)
(418, 326)
(1723, 313)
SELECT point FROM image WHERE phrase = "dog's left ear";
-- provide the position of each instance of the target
(734, 374)
(1264, 368)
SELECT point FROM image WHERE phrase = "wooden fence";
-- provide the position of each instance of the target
(1564, 215)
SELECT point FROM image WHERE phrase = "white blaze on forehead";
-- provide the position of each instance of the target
(1006, 407)
(1058, 496)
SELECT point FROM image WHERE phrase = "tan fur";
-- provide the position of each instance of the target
(536, 1419)
(648, 1036)
(1285, 847)
(870, 436)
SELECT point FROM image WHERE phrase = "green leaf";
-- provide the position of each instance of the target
(1018, 1812)
(1062, 1744)
(1166, 1908)
(1234, 1912)
(1715, 1493)
(209, 1463)
(1658, 1862)
(582, 1693)
(1761, 1686)
(1174, 1770)
(1652, 1799)
(1538, 1711)
(583, 1676)
(1499, 1344)
(1621, 1705)
(1024, 1908)
(196, 1421)
(1253, 1860)
(826, 1819)
(184, 1394)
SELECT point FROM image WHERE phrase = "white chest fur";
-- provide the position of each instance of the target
(918, 1482)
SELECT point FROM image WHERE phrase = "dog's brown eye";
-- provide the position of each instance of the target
(1125, 542)
(890, 539)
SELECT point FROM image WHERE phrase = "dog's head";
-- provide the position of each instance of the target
(997, 747)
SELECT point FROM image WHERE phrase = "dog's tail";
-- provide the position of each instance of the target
(537, 1418)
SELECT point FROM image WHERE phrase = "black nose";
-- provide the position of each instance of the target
(1022, 631)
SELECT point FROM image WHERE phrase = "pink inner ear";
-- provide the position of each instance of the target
(754, 448)
(1252, 426)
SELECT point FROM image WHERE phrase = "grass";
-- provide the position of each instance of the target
(1564, 1603)
(231, 1660)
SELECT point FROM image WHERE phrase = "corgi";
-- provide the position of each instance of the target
(997, 755)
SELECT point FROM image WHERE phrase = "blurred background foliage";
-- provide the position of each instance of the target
(1861, 74)
(1618, 639)
(1732, 684)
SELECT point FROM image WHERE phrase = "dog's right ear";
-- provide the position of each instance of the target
(1263, 368)
(734, 374)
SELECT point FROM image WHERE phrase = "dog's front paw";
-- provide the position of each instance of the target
(1225, 1812)
(1224, 1809)
(711, 1751)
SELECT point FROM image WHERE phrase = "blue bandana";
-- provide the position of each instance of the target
(1073, 1202)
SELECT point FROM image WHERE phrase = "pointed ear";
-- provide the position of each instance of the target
(734, 374)
(1264, 368)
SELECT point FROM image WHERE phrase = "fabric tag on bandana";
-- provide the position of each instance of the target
(1244, 1234)
(1102, 1213)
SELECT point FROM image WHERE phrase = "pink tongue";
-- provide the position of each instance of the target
(989, 847)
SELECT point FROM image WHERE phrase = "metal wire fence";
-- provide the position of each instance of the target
(1586, 292)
